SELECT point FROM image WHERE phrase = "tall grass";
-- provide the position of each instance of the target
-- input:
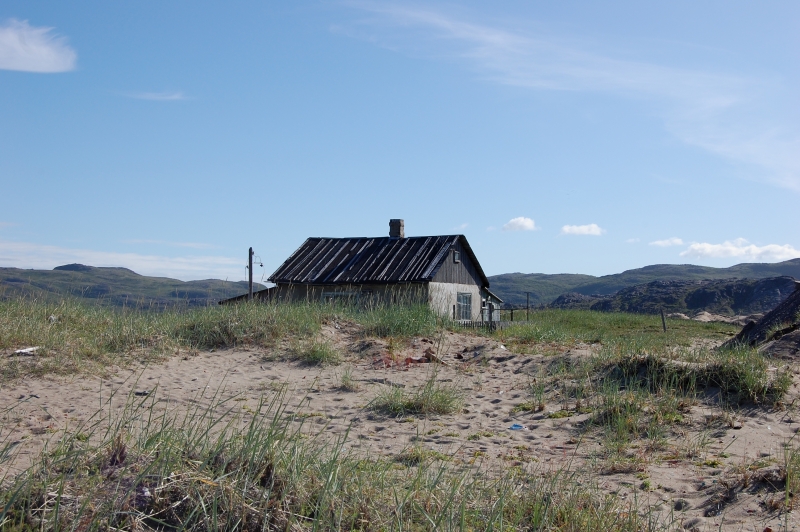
(81, 337)
(152, 471)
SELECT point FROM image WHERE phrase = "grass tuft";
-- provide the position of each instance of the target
(432, 398)
(320, 353)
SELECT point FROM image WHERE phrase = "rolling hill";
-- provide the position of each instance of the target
(544, 288)
(115, 287)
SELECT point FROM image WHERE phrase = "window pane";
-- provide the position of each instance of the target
(464, 306)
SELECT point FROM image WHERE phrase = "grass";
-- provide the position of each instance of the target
(151, 471)
(75, 337)
(319, 353)
(741, 374)
(254, 470)
(638, 331)
(432, 398)
(347, 382)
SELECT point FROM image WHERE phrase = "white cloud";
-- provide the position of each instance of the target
(520, 223)
(37, 256)
(741, 248)
(158, 96)
(461, 227)
(674, 241)
(589, 229)
(721, 113)
(632, 241)
(30, 49)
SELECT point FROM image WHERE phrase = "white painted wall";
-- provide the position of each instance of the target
(442, 297)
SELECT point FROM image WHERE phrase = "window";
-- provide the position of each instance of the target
(464, 306)
(456, 256)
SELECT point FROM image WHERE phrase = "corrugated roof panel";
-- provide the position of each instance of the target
(368, 260)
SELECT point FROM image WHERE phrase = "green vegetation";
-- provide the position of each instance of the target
(347, 382)
(634, 332)
(152, 471)
(511, 287)
(543, 288)
(252, 469)
(433, 398)
(77, 337)
(317, 353)
(118, 287)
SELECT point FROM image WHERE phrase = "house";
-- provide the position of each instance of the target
(440, 270)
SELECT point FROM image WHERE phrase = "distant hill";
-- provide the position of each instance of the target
(721, 296)
(115, 287)
(511, 287)
(543, 288)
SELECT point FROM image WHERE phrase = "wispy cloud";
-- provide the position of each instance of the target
(461, 227)
(38, 256)
(520, 223)
(711, 110)
(169, 96)
(741, 249)
(192, 245)
(674, 241)
(588, 229)
(632, 240)
(34, 49)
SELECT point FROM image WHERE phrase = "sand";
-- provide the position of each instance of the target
(696, 492)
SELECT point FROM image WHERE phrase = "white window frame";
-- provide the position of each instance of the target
(464, 306)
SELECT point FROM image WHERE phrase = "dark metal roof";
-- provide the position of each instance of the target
(370, 260)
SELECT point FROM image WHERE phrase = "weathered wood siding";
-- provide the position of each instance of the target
(463, 272)
(364, 294)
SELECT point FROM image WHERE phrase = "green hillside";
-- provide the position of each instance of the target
(543, 288)
(511, 287)
(115, 287)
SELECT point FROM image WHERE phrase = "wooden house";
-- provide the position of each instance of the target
(439, 270)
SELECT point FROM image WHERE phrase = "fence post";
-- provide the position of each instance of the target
(527, 306)
(663, 320)
(454, 313)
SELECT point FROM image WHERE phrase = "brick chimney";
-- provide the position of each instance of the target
(396, 228)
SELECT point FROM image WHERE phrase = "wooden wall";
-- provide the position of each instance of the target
(463, 272)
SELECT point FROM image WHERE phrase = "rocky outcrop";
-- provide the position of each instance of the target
(781, 322)
(728, 297)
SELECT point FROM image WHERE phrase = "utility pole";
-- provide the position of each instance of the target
(250, 275)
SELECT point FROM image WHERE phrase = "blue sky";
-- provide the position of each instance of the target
(559, 137)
